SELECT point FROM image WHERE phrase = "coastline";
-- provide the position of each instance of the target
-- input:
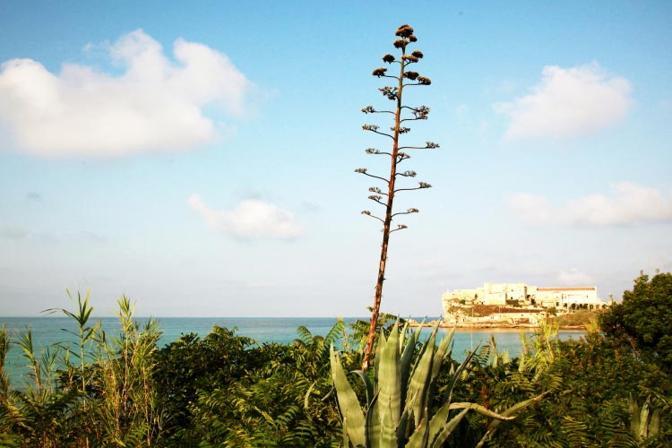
(497, 328)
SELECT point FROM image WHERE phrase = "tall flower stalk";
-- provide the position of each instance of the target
(398, 154)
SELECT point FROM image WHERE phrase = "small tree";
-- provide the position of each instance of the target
(385, 196)
(644, 318)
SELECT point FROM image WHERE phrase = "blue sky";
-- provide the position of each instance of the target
(200, 159)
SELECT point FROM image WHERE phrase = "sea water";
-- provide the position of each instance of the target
(47, 331)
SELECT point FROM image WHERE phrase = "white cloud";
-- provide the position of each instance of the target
(568, 102)
(629, 204)
(155, 104)
(531, 208)
(13, 232)
(251, 219)
(574, 277)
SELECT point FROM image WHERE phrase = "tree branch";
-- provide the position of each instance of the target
(376, 131)
(377, 177)
(399, 227)
(363, 171)
(383, 133)
(422, 186)
(374, 151)
(374, 128)
(407, 173)
(401, 157)
(377, 191)
(428, 145)
(368, 213)
(376, 198)
(422, 81)
(407, 212)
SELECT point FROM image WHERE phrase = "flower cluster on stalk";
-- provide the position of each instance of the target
(404, 38)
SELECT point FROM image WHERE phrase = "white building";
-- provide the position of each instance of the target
(489, 294)
(521, 294)
(569, 298)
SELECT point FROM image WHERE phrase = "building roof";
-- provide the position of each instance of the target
(568, 288)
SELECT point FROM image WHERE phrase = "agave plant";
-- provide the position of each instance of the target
(644, 419)
(396, 412)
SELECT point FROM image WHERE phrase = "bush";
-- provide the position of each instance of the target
(644, 318)
(225, 390)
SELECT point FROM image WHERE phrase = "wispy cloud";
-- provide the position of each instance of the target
(13, 232)
(251, 219)
(628, 204)
(81, 236)
(568, 102)
(156, 104)
(574, 277)
(310, 207)
(34, 197)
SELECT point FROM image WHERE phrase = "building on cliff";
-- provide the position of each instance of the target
(525, 296)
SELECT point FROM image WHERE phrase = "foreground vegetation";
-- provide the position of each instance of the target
(611, 388)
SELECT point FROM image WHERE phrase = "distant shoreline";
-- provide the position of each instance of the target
(498, 328)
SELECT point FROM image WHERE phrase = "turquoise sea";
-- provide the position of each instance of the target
(52, 330)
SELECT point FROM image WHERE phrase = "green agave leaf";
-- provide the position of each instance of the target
(373, 412)
(405, 362)
(368, 385)
(378, 349)
(389, 383)
(438, 421)
(644, 421)
(373, 424)
(420, 379)
(439, 430)
(404, 425)
(457, 374)
(480, 409)
(440, 353)
(509, 412)
(402, 336)
(633, 407)
(447, 428)
(353, 416)
(346, 440)
(388, 435)
(420, 436)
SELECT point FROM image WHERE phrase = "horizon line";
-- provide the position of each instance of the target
(202, 317)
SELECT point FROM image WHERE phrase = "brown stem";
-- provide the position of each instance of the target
(371, 338)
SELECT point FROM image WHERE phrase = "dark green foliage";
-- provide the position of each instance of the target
(269, 395)
(644, 318)
(224, 390)
(191, 364)
(591, 381)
